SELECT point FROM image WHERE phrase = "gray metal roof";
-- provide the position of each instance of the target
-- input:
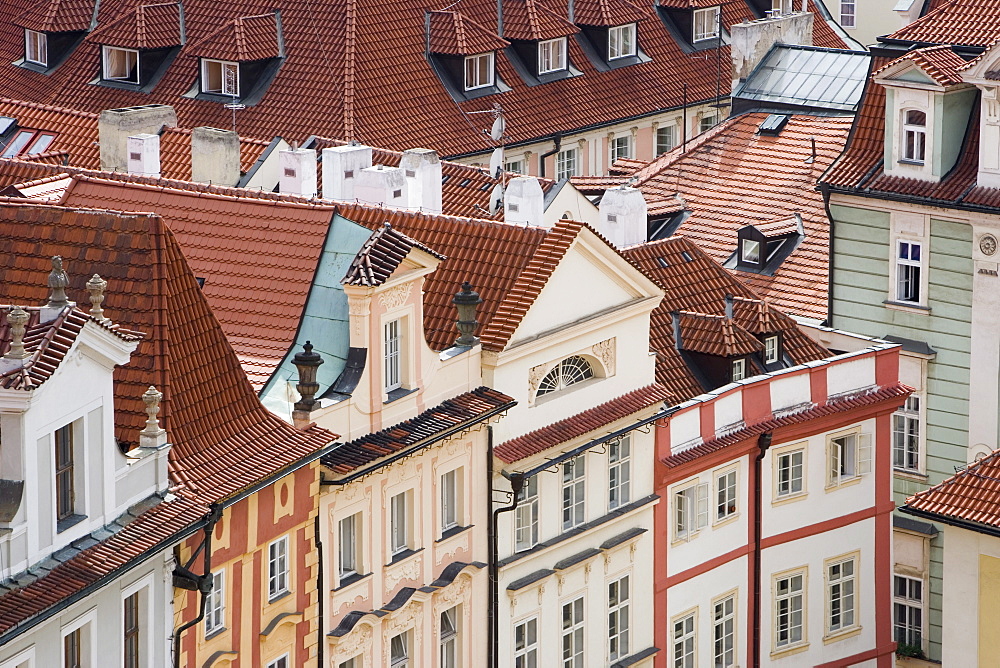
(808, 77)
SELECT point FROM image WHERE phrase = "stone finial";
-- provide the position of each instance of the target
(466, 302)
(17, 318)
(151, 398)
(307, 362)
(96, 286)
(58, 282)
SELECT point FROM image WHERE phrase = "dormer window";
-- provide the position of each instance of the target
(750, 251)
(552, 55)
(621, 41)
(738, 370)
(221, 77)
(121, 65)
(706, 24)
(772, 349)
(27, 142)
(36, 47)
(914, 136)
(479, 71)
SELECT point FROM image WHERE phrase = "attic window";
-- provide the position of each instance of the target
(621, 41)
(663, 263)
(28, 142)
(220, 76)
(36, 49)
(706, 24)
(552, 55)
(914, 136)
(739, 370)
(479, 71)
(120, 65)
(750, 251)
(772, 349)
(570, 371)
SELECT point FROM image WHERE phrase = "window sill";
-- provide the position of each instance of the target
(906, 474)
(728, 519)
(834, 486)
(398, 393)
(216, 633)
(906, 306)
(277, 597)
(913, 163)
(68, 522)
(789, 651)
(842, 634)
(354, 578)
(788, 498)
(403, 556)
(452, 532)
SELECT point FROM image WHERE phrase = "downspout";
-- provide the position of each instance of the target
(825, 190)
(500, 19)
(763, 443)
(320, 594)
(557, 143)
(516, 484)
(205, 582)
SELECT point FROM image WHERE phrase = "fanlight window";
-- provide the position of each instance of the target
(571, 370)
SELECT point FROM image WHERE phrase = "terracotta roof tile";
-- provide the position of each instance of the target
(970, 22)
(714, 335)
(57, 15)
(940, 63)
(454, 34)
(242, 39)
(577, 425)
(533, 20)
(381, 254)
(606, 12)
(972, 494)
(152, 26)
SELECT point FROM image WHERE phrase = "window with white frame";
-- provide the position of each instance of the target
(706, 24)
(690, 510)
(479, 71)
(570, 371)
(349, 546)
(280, 662)
(909, 266)
(526, 644)
(619, 472)
(76, 646)
(666, 138)
(451, 483)
(621, 147)
(277, 567)
(391, 345)
(399, 520)
(449, 638)
(914, 136)
(788, 607)
(906, 436)
(683, 638)
(120, 64)
(572, 634)
(849, 456)
(573, 485)
(707, 122)
(36, 47)
(908, 611)
(840, 595)
(515, 166)
(552, 55)
(23, 659)
(526, 516)
(724, 632)
(788, 474)
(772, 349)
(618, 618)
(566, 163)
(215, 609)
(399, 650)
(621, 41)
(65, 471)
(848, 13)
(750, 251)
(738, 369)
(725, 495)
(132, 629)
(220, 76)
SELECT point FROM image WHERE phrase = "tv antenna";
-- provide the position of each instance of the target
(231, 86)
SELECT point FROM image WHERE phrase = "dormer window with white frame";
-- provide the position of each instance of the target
(552, 55)
(36, 47)
(479, 71)
(738, 370)
(120, 65)
(914, 139)
(392, 355)
(220, 77)
(772, 349)
(706, 24)
(621, 41)
(750, 251)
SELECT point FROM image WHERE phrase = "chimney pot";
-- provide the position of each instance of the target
(524, 201)
(422, 168)
(386, 186)
(623, 216)
(307, 363)
(298, 172)
(466, 300)
(144, 155)
(115, 126)
(215, 156)
(340, 165)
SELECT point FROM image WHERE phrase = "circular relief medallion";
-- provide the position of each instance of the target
(988, 244)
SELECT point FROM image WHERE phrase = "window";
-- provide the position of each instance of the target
(619, 473)
(479, 71)
(771, 350)
(450, 483)
(348, 553)
(566, 163)
(277, 567)
(73, 649)
(789, 476)
(526, 516)
(399, 529)
(65, 493)
(353, 662)
(706, 24)
(572, 491)
(449, 638)
(220, 76)
(618, 618)
(750, 251)
(725, 495)
(121, 64)
(572, 634)
(526, 644)
(621, 147)
(683, 642)
(908, 265)
(739, 370)
(707, 122)
(27, 142)
(215, 610)
(399, 650)
(690, 510)
(568, 372)
(515, 166)
(788, 609)
(621, 41)
(281, 662)
(552, 55)
(906, 435)
(666, 139)
(847, 13)
(724, 632)
(132, 643)
(908, 611)
(849, 457)
(36, 48)
(914, 136)
(393, 378)
(840, 613)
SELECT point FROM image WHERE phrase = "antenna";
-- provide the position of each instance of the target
(231, 85)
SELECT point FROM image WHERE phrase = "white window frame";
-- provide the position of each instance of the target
(848, 14)
(229, 87)
(788, 603)
(526, 646)
(552, 55)
(567, 163)
(621, 147)
(665, 139)
(905, 603)
(392, 354)
(707, 122)
(619, 618)
(23, 659)
(399, 524)
(144, 588)
(86, 624)
(684, 640)
(449, 642)
(574, 492)
(622, 41)
(906, 267)
(705, 24)
(690, 511)
(278, 571)
(353, 662)
(215, 609)
(620, 472)
(573, 632)
(348, 546)
(475, 71)
(515, 166)
(726, 494)
(106, 75)
(750, 251)
(907, 453)
(283, 661)
(841, 594)
(772, 349)
(848, 457)
(526, 516)
(402, 661)
(723, 629)
(738, 369)
(451, 501)
(36, 47)
(784, 487)
(915, 151)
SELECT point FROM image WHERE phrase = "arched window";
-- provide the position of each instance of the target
(571, 370)
(914, 136)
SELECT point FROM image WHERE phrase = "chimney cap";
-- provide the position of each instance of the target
(307, 358)
(467, 296)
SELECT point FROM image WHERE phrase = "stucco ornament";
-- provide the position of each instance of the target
(605, 351)
(396, 296)
(535, 375)
(409, 570)
(408, 617)
(454, 593)
(359, 639)
(988, 244)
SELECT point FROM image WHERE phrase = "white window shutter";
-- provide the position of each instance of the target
(834, 473)
(864, 454)
(702, 505)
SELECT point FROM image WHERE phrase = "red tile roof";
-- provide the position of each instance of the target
(533, 20)
(714, 335)
(56, 15)
(972, 495)
(455, 34)
(379, 257)
(153, 26)
(607, 12)
(940, 63)
(970, 22)
(242, 39)
(577, 425)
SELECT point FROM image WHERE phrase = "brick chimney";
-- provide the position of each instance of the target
(144, 154)
(623, 218)
(215, 156)
(524, 202)
(752, 40)
(422, 168)
(298, 171)
(341, 167)
(382, 185)
(115, 126)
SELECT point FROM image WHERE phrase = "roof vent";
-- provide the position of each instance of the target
(773, 124)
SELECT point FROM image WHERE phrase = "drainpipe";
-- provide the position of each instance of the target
(516, 483)
(763, 443)
(320, 594)
(825, 190)
(204, 582)
(557, 143)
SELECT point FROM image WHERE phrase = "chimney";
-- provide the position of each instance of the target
(751, 41)
(382, 185)
(623, 216)
(422, 168)
(341, 167)
(466, 300)
(215, 156)
(729, 307)
(524, 201)
(298, 172)
(144, 155)
(115, 126)
(307, 363)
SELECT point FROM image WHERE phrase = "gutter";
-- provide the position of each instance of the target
(319, 593)
(557, 143)
(205, 582)
(516, 485)
(763, 443)
(953, 521)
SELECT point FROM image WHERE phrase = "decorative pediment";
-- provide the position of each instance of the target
(985, 68)
(936, 66)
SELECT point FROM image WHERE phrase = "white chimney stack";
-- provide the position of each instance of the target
(524, 201)
(215, 156)
(422, 168)
(341, 167)
(115, 126)
(144, 154)
(623, 218)
(382, 185)
(298, 172)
